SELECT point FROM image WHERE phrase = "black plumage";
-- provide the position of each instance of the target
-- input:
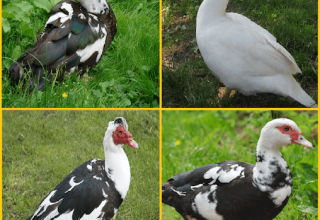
(85, 197)
(70, 29)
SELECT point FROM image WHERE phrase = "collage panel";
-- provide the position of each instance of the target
(80, 54)
(53, 164)
(240, 54)
(239, 165)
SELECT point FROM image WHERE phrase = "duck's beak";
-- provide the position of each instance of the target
(302, 141)
(133, 144)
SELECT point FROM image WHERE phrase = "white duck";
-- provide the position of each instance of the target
(245, 56)
(232, 190)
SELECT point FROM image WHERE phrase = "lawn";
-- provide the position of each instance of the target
(127, 75)
(196, 138)
(40, 148)
(188, 82)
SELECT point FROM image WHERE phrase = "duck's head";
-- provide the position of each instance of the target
(117, 135)
(281, 132)
(96, 6)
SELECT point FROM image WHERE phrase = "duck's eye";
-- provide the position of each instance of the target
(286, 128)
(120, 132)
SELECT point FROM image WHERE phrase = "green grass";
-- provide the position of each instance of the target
(209, 137)
(188, 82)
(40, 148)
(127, 75)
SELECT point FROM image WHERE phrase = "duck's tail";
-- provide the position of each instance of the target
(32, 75)
(292, 89)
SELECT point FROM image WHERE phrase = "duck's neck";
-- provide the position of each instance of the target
(118, 169)
(94, 6)
(271, 170)
(211, 9)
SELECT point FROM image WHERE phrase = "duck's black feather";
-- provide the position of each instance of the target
(94, 187)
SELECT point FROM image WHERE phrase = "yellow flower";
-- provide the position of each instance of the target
(177, 142)
(64, 95)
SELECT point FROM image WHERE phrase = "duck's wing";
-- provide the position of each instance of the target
(243, 20)
(181, 190)
(84, 194)
(70, 31)
(214, 174)
(265, 36)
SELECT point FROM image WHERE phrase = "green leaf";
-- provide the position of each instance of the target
(155, 104)
(146, 68)
(312, 186)
(27, 30)
(97, 93)
(111, 82)
(6, 25)
(104, 86)
(6, 64)
(125, 102)
(119, 87)
(130, 73)
(16, 52)
(307, 171)
(156, 93)
(308, 209)
(46, 5)
(140, 6)
(24, 6)
(10, 11)
(7, 14)
(144, 105)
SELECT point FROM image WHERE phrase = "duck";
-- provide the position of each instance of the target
(74, 39)
(245, 56)
(233, 190)
(95, 189)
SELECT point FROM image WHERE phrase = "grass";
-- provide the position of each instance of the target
(188, 82)
(40, 148)
(196, 138)
(127, 75)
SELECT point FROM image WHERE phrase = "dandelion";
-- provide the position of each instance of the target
(177, 142)
(64, 95)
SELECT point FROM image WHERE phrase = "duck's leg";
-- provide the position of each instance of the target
(225, 92)
(190, 218)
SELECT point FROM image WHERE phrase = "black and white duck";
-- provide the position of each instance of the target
(96, 189)
(233, 190)
(74, 39)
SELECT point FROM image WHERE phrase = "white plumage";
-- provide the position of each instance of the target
(245, 56)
